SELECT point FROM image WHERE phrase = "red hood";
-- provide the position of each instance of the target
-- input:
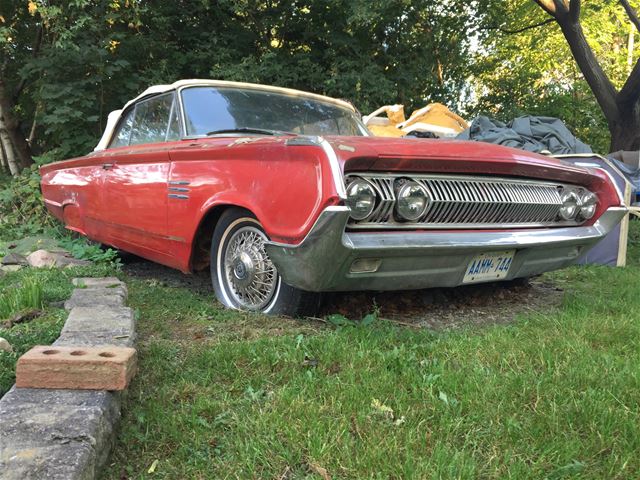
(451, 156)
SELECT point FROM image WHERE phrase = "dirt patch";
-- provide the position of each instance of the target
(437, 308)
(441, 308)
(140, 268)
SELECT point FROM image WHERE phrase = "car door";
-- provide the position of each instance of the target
(135, 179)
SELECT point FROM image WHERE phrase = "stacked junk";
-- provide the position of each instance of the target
(544, 135)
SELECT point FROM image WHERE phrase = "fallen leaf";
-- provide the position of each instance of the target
(153, 466)
(320, 471)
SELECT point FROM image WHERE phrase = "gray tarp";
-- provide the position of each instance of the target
(534, 134)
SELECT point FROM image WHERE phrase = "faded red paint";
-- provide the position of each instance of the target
(127, 204)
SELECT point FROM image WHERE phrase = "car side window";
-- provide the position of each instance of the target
(123, 133)
(151, 122)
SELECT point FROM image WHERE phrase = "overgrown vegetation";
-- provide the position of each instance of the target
(22, 210)
(25, 222)
(24, 296)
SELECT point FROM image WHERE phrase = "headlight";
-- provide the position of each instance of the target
(570, 205)
(589, 203)
(413, 200)
(361, 198)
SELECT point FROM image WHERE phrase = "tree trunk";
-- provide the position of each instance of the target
(625, 130)
(12, 162)
(4, 166)
(21, 148)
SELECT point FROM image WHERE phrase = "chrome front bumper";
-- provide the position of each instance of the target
(424, 259)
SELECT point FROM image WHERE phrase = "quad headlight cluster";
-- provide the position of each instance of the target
(577, 204)
(412, 199)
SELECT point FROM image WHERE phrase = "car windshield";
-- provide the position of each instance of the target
(211, 110)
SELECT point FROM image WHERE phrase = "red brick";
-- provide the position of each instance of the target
(86, 368)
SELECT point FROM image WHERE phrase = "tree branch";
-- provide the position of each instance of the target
(588, 64)
(548, 6)
(523, 29)
(574, 10)
(630, 91)
(631, 13)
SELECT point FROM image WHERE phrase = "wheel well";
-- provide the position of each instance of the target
(201, 248)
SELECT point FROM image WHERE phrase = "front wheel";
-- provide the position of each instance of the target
(243, 276)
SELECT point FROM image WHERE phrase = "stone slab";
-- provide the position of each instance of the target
(86, 368)
(55, 434)
(116, 320)
(14, 259)
(94, 297)
(96, 338)
(103, 282)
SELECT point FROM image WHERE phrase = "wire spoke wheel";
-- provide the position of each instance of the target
(249, 273)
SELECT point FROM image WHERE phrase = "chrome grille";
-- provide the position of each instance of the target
(459, 201)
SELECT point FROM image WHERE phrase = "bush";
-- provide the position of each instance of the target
(22, 210)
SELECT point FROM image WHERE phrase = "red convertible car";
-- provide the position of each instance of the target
(284, 194)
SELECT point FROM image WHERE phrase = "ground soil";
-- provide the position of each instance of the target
(440, 308)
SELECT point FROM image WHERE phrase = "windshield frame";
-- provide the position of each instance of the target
(310, 96)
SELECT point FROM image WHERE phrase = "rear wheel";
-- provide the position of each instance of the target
(243, 275)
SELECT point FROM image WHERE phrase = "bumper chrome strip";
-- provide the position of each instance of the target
(421, 259)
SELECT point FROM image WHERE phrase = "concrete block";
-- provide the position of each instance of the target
(103, 282)
(95, 339)
(93, 368)
(117, 320)
(55, 434)
(95, 297)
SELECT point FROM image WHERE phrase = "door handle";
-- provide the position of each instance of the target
(107, 166)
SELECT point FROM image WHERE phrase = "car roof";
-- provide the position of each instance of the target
(156, 89)
(114, 116)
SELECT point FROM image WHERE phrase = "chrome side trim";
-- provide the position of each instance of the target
(178, 196)
(336, 172)
(304, 141)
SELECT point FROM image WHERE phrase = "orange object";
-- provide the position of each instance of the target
(85, 368)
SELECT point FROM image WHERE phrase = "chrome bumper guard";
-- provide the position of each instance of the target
(324, 260)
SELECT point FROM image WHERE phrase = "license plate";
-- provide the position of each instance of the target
(488, 266)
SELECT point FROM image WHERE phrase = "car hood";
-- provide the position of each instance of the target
(451, 156)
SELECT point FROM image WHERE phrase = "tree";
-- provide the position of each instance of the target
(17, 40)
(521, 65)
(621, 107)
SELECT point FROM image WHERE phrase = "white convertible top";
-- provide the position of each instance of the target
(112, 119)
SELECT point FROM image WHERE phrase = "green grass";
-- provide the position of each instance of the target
(222, 394)
(227, 395)
(35, 289)
(25, 295)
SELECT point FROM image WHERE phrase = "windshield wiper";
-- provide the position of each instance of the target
(261, 131)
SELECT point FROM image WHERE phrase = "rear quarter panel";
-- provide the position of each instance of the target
(71, 192)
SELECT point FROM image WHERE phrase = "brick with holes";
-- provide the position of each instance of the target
(87, 368)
